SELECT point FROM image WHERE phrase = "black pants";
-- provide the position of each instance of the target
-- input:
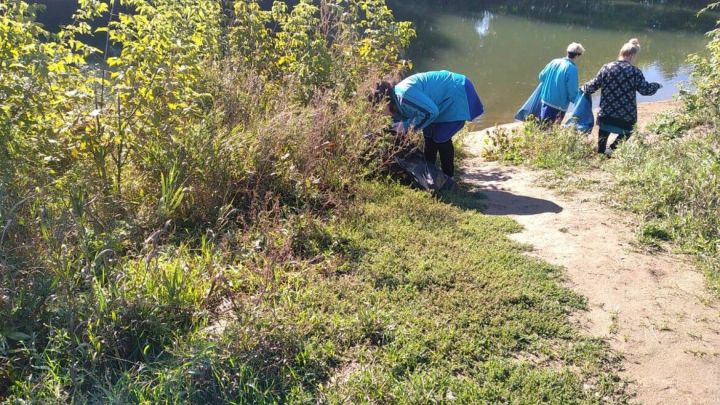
(447, 155)
(603, 138)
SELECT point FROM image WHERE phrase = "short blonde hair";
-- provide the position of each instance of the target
(575, 48)
(630, 48)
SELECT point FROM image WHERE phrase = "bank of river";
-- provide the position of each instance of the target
(652, 307)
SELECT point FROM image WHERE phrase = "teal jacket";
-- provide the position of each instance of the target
(425, 98)
(559, 83)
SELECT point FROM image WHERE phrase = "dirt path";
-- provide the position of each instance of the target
(652, 308)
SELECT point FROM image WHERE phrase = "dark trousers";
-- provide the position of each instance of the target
(447, 154)
(551, 115)
(603, 138)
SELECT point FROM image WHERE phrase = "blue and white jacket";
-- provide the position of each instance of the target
(432, 97)
(559, 83)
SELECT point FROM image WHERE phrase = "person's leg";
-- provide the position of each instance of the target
(560, 117)
(620, 138)
(430, 147)
(602, 140)
(546, 113)
(442, 134)
(431, 151)
(447, 157)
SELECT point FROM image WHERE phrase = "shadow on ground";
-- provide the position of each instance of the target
(493, 201)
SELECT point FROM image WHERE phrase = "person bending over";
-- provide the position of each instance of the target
(438, 103)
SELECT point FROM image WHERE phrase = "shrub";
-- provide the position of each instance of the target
(538, 146)
(118, 172)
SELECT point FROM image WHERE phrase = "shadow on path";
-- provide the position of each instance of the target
(499, 202)
(493, 201)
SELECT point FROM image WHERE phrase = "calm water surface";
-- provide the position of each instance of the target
(503, 48)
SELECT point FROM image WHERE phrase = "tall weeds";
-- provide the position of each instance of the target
(142, 192)
(539, 146)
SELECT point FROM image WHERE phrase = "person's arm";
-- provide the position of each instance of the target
(595, 83)
(645, 88)
(572, 84)
(418, 110)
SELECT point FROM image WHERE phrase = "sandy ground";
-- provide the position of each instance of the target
(652, 307)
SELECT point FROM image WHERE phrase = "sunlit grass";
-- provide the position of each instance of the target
(407, 299)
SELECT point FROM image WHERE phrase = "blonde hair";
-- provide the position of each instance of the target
(630, 48)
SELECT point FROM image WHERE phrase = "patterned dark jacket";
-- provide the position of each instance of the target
(619, 80)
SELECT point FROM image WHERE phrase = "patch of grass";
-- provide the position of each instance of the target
(413, 300)
(464, 311)
(557, 148)
(673, 185)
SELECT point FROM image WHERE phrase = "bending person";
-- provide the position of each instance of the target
(559, 84)
(438, 103)
(619, 81)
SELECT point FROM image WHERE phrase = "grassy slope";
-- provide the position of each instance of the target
(461, 310)
(416, 301)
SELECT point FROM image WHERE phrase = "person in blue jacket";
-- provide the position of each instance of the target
(559, 84)
(438, 103)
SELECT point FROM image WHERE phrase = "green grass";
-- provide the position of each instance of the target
(555, 148)
(412, 300)
(562, 153)
(465, 313)
(673, 184)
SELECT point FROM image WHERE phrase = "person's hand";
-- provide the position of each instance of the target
(399, 127)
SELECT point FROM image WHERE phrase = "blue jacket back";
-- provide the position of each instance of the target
(428, 97)
(559, 83)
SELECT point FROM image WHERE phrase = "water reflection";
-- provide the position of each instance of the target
(503, 47)
(482, 26)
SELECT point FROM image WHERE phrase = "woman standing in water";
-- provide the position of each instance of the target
(619, 81)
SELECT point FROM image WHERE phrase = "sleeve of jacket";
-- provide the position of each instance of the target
(595, 83)
(572, 83)
(418, 110)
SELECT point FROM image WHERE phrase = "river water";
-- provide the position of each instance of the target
(502, 46)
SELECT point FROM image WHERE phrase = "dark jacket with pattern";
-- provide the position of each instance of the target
(619, 80)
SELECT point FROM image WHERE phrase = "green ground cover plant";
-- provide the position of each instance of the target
(562, 153)
(200, 217)
(539, 146)
(412, 300)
